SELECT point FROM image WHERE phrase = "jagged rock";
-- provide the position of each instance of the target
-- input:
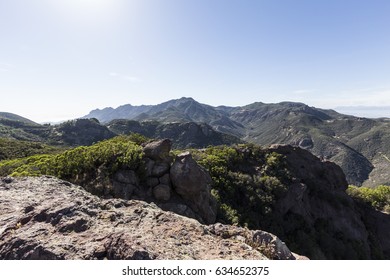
(46, 218)
(310, 169)
(162, 192)
(267, 242)
(316, 201)
(158, 150)
(193, 184)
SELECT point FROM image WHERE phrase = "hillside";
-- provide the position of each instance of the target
(88, 131)
(183, 134)
(284, 190)
(16, 127)
(70, 133)
(358, 145)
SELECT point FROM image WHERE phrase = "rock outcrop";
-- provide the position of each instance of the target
(47, 218)
(193, 184)
(182, 187)
(317, 209)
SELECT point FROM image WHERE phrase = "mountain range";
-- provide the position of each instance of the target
(358, 145)
(282, 189)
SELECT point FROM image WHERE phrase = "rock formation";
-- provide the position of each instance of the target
(47, 218)
(317, 208)
(182, 187)
(193, 184)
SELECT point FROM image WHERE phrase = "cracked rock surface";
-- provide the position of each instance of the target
(47, 218)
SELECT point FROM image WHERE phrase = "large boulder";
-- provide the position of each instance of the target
(158, 150)
(46, 218)
(193, 184)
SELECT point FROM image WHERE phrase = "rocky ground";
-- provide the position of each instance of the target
(47, 218)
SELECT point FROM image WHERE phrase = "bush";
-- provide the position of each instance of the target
(247, 182)
(11, 149)
(378, 198)
(107, 156)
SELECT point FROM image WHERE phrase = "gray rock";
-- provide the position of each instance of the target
(158, 150)
(7, 180)
(162, 192)
(160, 168)
(122, 190)
(263, 241)
(193, 184)
(148, 166)
(277, 249)
(127, 177)
(43, 218)
(166, 180)
(152, 182)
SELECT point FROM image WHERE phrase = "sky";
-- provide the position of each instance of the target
(61, 59)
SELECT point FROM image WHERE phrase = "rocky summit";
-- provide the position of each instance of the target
(47, 218)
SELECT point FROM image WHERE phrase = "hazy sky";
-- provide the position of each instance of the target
(59, 59)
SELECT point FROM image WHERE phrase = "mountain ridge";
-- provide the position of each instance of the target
(358, 145)
(354, 143)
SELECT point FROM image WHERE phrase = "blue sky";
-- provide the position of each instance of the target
(60, 59)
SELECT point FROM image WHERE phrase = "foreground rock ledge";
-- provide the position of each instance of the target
(46, 218)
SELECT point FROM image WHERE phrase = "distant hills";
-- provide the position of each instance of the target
(358, 145)
(18, 132)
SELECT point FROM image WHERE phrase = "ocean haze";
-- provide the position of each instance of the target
(365, 111)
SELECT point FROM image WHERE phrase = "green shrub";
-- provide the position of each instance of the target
(378, 198)
(11, 149)
(107, 156)
(247, 182)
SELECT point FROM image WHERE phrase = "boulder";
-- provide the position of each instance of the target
(151, 182)
(44, 218)
(123, 190)
(158, 150)
(267, 243)
(166, 180)
(162, 192)
(193, 184)
(160, 168)
(127, 177)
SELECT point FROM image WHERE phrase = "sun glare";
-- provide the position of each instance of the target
(89, 11)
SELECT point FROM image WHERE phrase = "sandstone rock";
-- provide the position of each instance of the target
(193, 184)
(158, 150)
(162, 192)
(46, 218)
